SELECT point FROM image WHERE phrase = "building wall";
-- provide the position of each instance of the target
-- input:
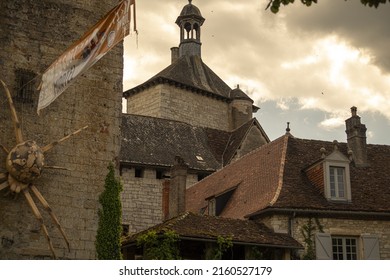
(253, 140)
(142, 198)
(173, 103)
(335, 227)
(33, 34)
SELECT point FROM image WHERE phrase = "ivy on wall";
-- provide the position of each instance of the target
(108, 245)
(308, 231)
(223, 245)
(163, 246)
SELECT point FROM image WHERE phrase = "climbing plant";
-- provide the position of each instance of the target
(308, 231)
(108, 245)
(223, 244)
(164, 246)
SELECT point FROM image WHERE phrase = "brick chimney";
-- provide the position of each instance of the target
(177, 189)
(356, 138)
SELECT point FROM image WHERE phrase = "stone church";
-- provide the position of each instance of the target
(185, 112)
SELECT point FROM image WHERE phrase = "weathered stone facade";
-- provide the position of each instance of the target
(33, 34)
(170, 102)
(336, 227)
(142, 198)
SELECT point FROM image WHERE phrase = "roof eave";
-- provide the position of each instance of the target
(163, 80)
(325, 212)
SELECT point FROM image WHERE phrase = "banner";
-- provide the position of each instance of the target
(84, 53)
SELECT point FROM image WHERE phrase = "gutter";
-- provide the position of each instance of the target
(321, 212)
(234, 242)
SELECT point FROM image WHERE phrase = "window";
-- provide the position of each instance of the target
(337, 181)
(337, 177)
(216, 204)
(159, 174)
(344, 248)
(139, 172)
(335, 247)
(211, 207)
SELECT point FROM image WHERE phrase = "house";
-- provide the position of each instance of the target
(198, 238)
(331, 197)
(185, 110)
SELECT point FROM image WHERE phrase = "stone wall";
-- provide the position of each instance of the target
(142, 198)
(33, 34)
(336, 227)
(173, 103)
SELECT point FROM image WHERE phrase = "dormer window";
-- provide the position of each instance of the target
(216, 204)
(337, 182)
(331, 176)
(336, 176)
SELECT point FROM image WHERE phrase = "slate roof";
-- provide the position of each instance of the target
(192, 73)
(189, 225)
(156, 142)
(271, 178)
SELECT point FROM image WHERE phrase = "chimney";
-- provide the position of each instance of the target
(356, 138)
(177, 189)
(174, 54)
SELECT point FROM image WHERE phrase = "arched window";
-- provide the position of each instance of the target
(187, 27)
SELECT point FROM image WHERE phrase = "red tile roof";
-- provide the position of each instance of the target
(257, 182)
(272, 177)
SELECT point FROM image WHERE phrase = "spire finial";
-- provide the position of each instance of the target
(288, 128)
(189, 1)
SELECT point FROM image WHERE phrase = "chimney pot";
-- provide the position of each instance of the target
(354, 111)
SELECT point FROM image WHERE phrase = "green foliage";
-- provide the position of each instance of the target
(108, 245)
(223, 244)
(160, 246)
(275, 4)
(308, 235)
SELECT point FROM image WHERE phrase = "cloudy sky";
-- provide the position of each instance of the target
(306, 66)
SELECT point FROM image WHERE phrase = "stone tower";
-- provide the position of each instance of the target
(188, 90)
(33, 34)
(190, 22)
(185, 110)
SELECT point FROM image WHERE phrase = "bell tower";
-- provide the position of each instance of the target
(190, 22)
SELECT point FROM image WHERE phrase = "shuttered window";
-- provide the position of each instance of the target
(346, 248)
(323, 242)
(370, 247)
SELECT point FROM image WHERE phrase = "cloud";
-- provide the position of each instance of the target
(332, 123)
(324, 59)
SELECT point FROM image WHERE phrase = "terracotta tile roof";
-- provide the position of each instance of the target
(210, 227)
(155, 141)
(369, 185)
(272, 177)
(257, 182)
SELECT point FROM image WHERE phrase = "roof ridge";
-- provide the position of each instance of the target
(281, 171)
(163, 119)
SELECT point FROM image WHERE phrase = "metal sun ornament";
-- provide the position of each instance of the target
(25, 163)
